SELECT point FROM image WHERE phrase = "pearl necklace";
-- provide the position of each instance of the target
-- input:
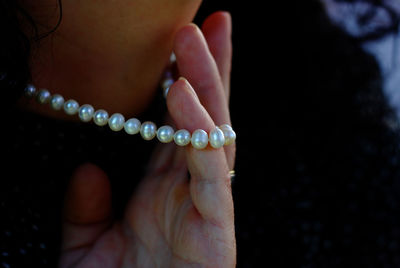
(199, 139)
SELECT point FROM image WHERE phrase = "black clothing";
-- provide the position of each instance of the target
(41, 154)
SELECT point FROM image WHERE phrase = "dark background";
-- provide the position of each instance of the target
(318, 181)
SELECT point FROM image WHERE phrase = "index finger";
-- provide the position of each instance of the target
(217, 30)
(210, 179)
(196, 63)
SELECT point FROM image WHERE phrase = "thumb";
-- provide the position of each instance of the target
(87, 210)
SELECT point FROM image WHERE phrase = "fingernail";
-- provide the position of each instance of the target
(227, 14)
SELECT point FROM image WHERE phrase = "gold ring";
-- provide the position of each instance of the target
(232, 174)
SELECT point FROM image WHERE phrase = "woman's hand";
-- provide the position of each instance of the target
(171, 220)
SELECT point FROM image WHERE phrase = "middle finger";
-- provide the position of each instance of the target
(197, 65)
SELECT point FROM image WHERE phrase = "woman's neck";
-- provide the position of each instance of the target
(107, 81)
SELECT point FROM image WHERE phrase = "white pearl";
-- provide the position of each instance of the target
(100, 117)
(132, 126)
(165, 134)
(116, 122)
(182, 137)
(86, 112)
(199, 139)
(217, 139)
(166, 92)
(225, 126)
(172, 58)
(57, 102)
(229, 134)
(71, 107)
(43, 96)
(166, 84)
(148, 130)
(30, 91)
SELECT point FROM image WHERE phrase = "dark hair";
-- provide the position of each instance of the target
(15, 47)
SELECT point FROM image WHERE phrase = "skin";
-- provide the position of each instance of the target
(106, 48)
(170, 221)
